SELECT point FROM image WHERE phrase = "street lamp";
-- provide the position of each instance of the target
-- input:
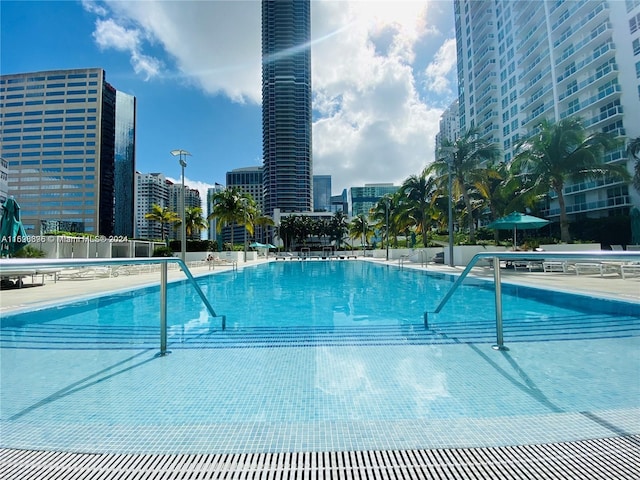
(452, 151)
(386, 226)
(183, 233)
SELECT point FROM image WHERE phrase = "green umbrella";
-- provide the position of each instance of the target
(517, 220)
(12, 234)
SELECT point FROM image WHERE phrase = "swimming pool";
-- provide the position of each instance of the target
(319, 356)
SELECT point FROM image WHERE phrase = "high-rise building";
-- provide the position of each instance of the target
(286, 106)
(247, 180)
(4, 177)
(365, 198)
(522, 62)
(449, 126)
(191, 199)
(151, 189)
(340, 203)
(59, 138)
(125, 165)
(322, 193)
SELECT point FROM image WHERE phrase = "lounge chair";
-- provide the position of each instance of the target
(555, 266)
(630, 269)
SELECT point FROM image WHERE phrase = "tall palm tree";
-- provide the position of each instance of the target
(416, 202)
(338, 228)
(229, 208)
(194, 221)
(465, 157)
(359, 228)
(164, 216)
(562, 152)
(633, 150)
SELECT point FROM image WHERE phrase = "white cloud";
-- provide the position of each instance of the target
(373, 122)
(110, 34)
(439, 70)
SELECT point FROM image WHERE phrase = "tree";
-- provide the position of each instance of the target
(563, 152)
(230, 206)
(194, 221)
(164, 216)
(633, 150)
(465, 157)
(416, 202)
(359, 228)
(338, 228)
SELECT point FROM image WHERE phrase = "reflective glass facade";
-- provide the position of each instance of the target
(125, 164)
(57, 134)
(286, 106)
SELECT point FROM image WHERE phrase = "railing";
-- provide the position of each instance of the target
(496, 257)
(14, 266)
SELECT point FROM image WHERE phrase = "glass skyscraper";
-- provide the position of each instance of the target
(58, 135)
(125, 164)
(286, 106)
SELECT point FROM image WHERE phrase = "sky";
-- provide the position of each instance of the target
(383, 72)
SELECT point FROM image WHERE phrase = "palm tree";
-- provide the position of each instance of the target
(417, 194)
(164, 216)
(563, 152)
(286, 231)
(194, 221)
(359, 227)
(230, 206)
(633, 150)
(338, 228)
(464, 157)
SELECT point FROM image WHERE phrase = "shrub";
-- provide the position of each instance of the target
(162, 252)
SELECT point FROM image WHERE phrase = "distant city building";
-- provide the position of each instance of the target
(522, 62)
(59, 138)
(322, 193)
(4, 175)
(125, 165)
(248, 180)
(340, 203)
(449, 126)
(286, 106)
(191, 199)
(151, 189)
(365, 198)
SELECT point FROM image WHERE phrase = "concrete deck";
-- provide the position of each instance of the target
(36, 295)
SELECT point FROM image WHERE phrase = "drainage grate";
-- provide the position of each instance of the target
(611, 458)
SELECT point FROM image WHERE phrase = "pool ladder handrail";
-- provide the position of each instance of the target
(29, 264)
(520, 256)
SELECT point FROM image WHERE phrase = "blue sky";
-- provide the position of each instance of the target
(383, 72)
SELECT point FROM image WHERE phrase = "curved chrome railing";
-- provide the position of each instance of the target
(496, 257)
(13, 266)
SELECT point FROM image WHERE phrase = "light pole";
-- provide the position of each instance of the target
(452, 151)
(386, 226)
(183, 230)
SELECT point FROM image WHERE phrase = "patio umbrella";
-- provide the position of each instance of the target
(257, 245)
(12, 233)
(517, 220)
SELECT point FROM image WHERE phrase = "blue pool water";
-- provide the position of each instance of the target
(319, 356)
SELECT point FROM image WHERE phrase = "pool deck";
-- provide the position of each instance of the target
(617, 457)
(36, 295)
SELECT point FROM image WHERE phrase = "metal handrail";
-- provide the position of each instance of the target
(519, 256)
(14, 265)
